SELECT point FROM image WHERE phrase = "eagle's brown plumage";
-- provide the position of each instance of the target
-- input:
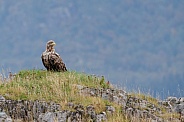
(52, 60)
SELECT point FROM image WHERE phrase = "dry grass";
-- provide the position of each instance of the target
(37, 84)
(60, 87)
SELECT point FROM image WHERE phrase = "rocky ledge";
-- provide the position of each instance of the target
(133, 108)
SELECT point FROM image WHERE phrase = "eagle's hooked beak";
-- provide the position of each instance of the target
(53, 44)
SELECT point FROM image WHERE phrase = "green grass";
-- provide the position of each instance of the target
(39, 84)
(60, 87)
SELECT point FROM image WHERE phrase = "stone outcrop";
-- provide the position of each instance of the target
(133, 108)
(136, 108)
(41, 111)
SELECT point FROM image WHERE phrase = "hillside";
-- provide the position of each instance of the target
(135, 44)
(38, 95)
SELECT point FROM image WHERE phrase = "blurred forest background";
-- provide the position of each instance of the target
(134, 44)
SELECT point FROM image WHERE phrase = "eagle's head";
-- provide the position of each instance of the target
(50, 46)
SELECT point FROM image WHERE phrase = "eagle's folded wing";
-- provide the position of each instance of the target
(56, 62)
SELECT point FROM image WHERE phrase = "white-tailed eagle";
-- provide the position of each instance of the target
(52, 60)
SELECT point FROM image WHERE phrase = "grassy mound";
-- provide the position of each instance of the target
(49, 86)
(59, 87)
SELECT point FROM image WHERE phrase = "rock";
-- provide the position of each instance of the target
(79, 87)
(134, 108)
(90, 111)
(116, 99)
(110, 109)
(172, 99)
(153, 117)
(4, 117)
(181, 100)
(75, 116)
(105, 96)
(79, 107)
(53, 107)
(47, 117)
(62, 116)
(8, 120)
(101, 117)
(129, 112)
(2, 99)
(92, 93)
(70, 104)
(179, 108)
(143, 104)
